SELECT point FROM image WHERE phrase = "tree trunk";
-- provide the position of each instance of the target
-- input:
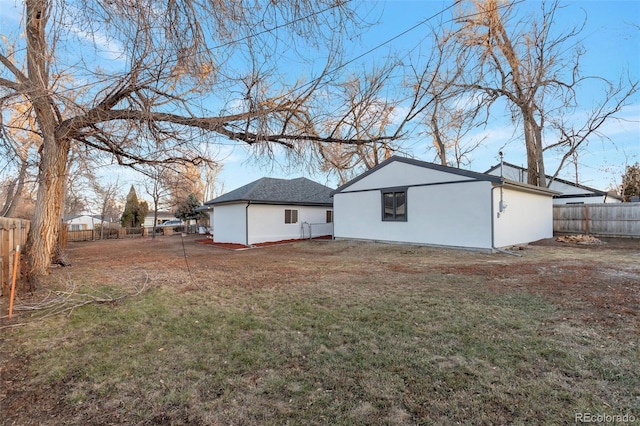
(54, 151)
(155, 219)
(533, 143)
(532, 157)
(43, 235)
(542, 177)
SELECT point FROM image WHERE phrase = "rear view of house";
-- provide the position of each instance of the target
(410, 201)
(270, 209)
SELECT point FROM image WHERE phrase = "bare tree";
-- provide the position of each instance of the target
(154, 187)
(19, 143)
(163, 79)
(179, 181)
(536, 69)
(452, 113)
(13, 191)
(105, 196)
(367, 114)
(209, 177)
(573, 138)
(449, 112)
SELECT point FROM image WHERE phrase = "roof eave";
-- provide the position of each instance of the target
(529, 188)
(276, 203)
(424, 164)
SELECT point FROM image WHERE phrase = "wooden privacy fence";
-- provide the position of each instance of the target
(13, 232)
(119, 232)
(604, 220)
(106, 234)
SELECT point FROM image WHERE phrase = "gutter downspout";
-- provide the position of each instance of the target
(493, 215)
(246, 223)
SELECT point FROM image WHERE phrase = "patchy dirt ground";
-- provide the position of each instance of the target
(606, 276)
(596, 282)
(591, 283)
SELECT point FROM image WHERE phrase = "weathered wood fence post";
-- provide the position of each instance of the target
(586, 219)
(13, 232)
(5, 251)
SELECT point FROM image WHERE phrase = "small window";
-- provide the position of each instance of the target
(329, 216)
(290, 216)
(394, 205)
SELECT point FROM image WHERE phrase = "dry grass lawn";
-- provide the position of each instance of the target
(171, 331)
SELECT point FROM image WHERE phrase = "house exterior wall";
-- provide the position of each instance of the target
(229, 224)
(527, 217)
(566, 189)
(578, 195)
(267, 222)
(570, 193)
(453, 214)
(82, 223)
(162, 217)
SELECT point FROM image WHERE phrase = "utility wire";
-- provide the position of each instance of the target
(186, 261)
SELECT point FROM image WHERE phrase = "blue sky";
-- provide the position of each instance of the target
(612, 42)
(611, 39)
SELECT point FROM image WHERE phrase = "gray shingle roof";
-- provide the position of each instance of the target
(299, 191)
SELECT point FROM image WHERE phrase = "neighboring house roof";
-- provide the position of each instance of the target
(70, 217)
(559, 180)
(451, 170)
(299, 191)
(162, 215)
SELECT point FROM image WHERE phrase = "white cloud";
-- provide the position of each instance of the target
(112, 49)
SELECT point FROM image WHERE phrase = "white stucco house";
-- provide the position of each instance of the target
(410, 201)
(568, 192)
(163, 217)
(271, 209)
(82, 221)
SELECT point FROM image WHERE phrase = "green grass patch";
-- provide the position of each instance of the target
(361, 352)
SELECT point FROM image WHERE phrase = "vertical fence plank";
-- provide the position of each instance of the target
(5, 250)
(13, 232)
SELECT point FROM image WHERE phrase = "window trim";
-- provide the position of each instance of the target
(329, 216)
(396, 190)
